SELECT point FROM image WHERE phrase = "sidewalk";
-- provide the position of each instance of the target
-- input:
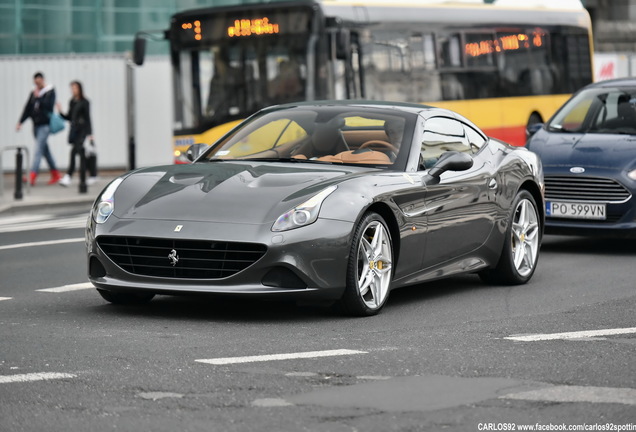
(43, 195)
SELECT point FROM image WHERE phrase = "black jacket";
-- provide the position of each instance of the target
(80, 117)
(39, 108)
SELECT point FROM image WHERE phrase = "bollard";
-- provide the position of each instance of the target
(82, 172)
(18, 175)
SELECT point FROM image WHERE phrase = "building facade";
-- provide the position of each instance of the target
(86, 26)
(108, 26)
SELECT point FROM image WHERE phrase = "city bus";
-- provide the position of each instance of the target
(504, 66)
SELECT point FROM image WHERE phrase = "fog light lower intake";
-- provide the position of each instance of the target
(280, 277)
(96, 269)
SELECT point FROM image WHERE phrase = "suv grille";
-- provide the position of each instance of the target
(584, 189)
(195, 259)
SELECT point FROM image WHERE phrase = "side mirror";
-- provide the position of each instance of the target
(533, 129)
(139, 49)
(195, 150)
(451, 161)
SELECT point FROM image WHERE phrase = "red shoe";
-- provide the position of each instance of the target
(32, 178)
(55, 177)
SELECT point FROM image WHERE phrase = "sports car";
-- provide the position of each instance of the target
(337, 201)
(588, 150)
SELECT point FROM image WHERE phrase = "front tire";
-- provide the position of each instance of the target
(125, 298)
(520, 252)
(370, 267)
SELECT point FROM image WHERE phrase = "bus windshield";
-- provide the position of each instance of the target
(228, 66)
(239, 79)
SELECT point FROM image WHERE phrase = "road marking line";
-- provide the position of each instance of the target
(572, 335)
(67, 288)
(271, 403)
(42, 243)
(5, 298)
(61, 224)
(273, 357)
(626, 396)
(41, 376)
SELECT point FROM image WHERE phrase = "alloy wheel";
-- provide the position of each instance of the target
(374, 265)
(525, 237)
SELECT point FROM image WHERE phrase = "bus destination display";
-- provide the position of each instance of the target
(226, 26)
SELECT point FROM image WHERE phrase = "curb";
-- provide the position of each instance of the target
(22, 205)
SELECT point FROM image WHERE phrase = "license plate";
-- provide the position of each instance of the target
(575, 210)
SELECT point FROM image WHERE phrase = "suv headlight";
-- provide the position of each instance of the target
(632, 174)
(304, 214)
(105, 204)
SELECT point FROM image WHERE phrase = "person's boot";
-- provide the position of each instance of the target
(32, 178)
(55, 177)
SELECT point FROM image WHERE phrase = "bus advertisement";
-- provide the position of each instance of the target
(504, 67)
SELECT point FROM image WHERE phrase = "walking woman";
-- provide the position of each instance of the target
(79, 116)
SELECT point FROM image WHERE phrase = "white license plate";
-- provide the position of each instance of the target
(575, 210)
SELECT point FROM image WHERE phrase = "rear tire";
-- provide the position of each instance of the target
(520, 252)
(125, 298)
(370, 267)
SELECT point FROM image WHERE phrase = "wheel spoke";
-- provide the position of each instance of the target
(518, 255)
(363, 276)
(529, 253)
(366, 246)
(364, 287)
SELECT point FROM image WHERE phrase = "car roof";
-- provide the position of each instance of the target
(618, 82)
(409, 107)
(426, 111)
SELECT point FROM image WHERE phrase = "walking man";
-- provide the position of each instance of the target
(39, 108)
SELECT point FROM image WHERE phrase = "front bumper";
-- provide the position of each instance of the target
(312, 260)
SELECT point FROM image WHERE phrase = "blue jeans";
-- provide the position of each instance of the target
(42, 148)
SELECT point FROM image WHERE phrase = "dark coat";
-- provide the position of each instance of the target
(79, 116)
(39, 108)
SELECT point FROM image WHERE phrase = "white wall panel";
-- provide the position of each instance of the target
(104, 81)
(153, 113)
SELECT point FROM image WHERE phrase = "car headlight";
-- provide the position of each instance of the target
(304, 214)
(105, 204)
(632, 174)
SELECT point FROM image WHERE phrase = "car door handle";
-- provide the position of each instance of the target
(492, 184)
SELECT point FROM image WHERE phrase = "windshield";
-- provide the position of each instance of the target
(598, 110)
(322, 134)
(237, 78)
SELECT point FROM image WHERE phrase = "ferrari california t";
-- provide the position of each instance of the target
(588, 150)
(341, 201)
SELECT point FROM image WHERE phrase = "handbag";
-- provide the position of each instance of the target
(56, 123)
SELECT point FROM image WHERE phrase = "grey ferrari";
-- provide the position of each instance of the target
(339, 201)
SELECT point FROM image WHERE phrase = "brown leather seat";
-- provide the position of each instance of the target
(366, 157)
(327, 139)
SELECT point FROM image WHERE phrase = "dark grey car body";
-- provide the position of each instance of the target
(437, 230)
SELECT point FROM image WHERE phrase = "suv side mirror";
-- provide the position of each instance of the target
(195, 150)
(533, 129)
(139, 49)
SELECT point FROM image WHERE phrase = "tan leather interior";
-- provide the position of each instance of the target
(366, 157)
(355, 138)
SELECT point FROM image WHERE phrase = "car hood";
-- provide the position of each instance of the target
(585, 150)
(237, 192)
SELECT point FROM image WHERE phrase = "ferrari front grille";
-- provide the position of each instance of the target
(180, 259)
(593, 189)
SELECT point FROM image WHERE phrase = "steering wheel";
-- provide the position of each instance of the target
(386, 145)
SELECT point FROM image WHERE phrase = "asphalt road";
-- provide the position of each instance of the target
(437, 358)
